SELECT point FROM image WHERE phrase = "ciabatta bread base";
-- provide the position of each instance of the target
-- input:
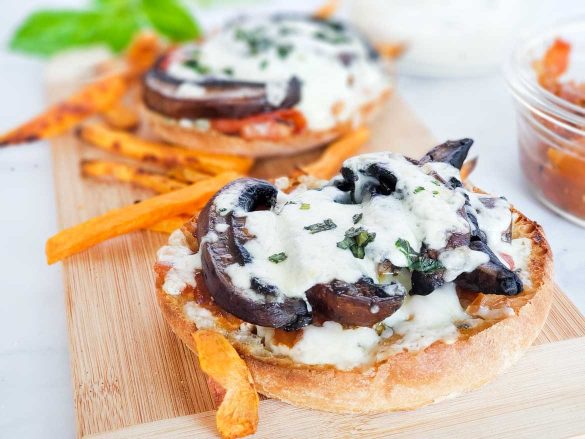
(214, 141)
(405, 380)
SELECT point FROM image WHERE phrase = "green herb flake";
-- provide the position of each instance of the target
(435, 192)
(356, 240)
(357, 217)
(277, 257)
(195, 65)
(228, 71)
(436, 183)
(415, 261)
(284, 50)
(419, 189)
(305, 206)
(263, 64)
(328, 224)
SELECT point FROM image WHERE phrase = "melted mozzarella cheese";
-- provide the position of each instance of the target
(315, 258)
(327, 344)
(266, 50)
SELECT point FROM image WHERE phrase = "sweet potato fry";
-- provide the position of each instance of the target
(122, 117)
(134, 217)
(170, 156)
(186, 175)
(61, 117)
(143, 52)
(169, 225)
(141, 177)
(467, 168)
(332, 158)
(237, 415)
(327, 9)
(390, 50)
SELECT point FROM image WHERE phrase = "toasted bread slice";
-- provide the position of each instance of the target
(406, 379)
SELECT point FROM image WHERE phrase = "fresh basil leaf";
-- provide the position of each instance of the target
(48, 32)
(328, 224)
(415, 261)
(172, 19)
(277, 257)
(356, 240)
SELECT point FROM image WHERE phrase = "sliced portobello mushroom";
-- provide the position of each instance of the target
(453, 152)
(217, 98)
(224, 245)
(363, 303)
(491, 277)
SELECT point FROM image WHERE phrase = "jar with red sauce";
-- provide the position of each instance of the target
(546, 75)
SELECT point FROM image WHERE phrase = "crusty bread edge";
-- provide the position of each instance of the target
(410, 379)
(213, 141)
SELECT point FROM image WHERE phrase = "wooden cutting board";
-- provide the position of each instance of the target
(128, 368)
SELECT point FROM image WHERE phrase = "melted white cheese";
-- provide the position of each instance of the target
(419, 216)
(328, 344)
(331, 91)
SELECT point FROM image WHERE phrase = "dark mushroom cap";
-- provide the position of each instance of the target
(363, 303)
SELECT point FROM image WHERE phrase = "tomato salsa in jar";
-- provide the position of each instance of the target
(546, 75)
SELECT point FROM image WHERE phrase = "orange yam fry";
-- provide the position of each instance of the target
(61, 117)
(390, 50)
(467, 168)
(169, 225)
(332, 158)
(143, 52)
(186, 175)
(140, 177)
(121, 116)
(170, 156)
(327, 9)
(134, 217)
(237, 415)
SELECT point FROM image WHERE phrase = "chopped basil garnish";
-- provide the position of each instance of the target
(284, 50)
(331, 37)
(436, 183)
(263, 64)
(435, 192)
(415, 261)
(357, 217)
(228, 71)
(321, 227)
(194, 64)
(356, 240)
(277, 257)
(418, 189)
(255, 39)
(305, 206)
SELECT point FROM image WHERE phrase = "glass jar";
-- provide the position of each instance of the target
(551, 130)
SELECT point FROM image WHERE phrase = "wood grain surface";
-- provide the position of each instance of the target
(511, 406)
(127, 366)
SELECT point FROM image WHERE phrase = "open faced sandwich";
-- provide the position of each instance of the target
(391, 286)
(266, 86)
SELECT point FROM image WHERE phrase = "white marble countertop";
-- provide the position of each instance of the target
(35, 386)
